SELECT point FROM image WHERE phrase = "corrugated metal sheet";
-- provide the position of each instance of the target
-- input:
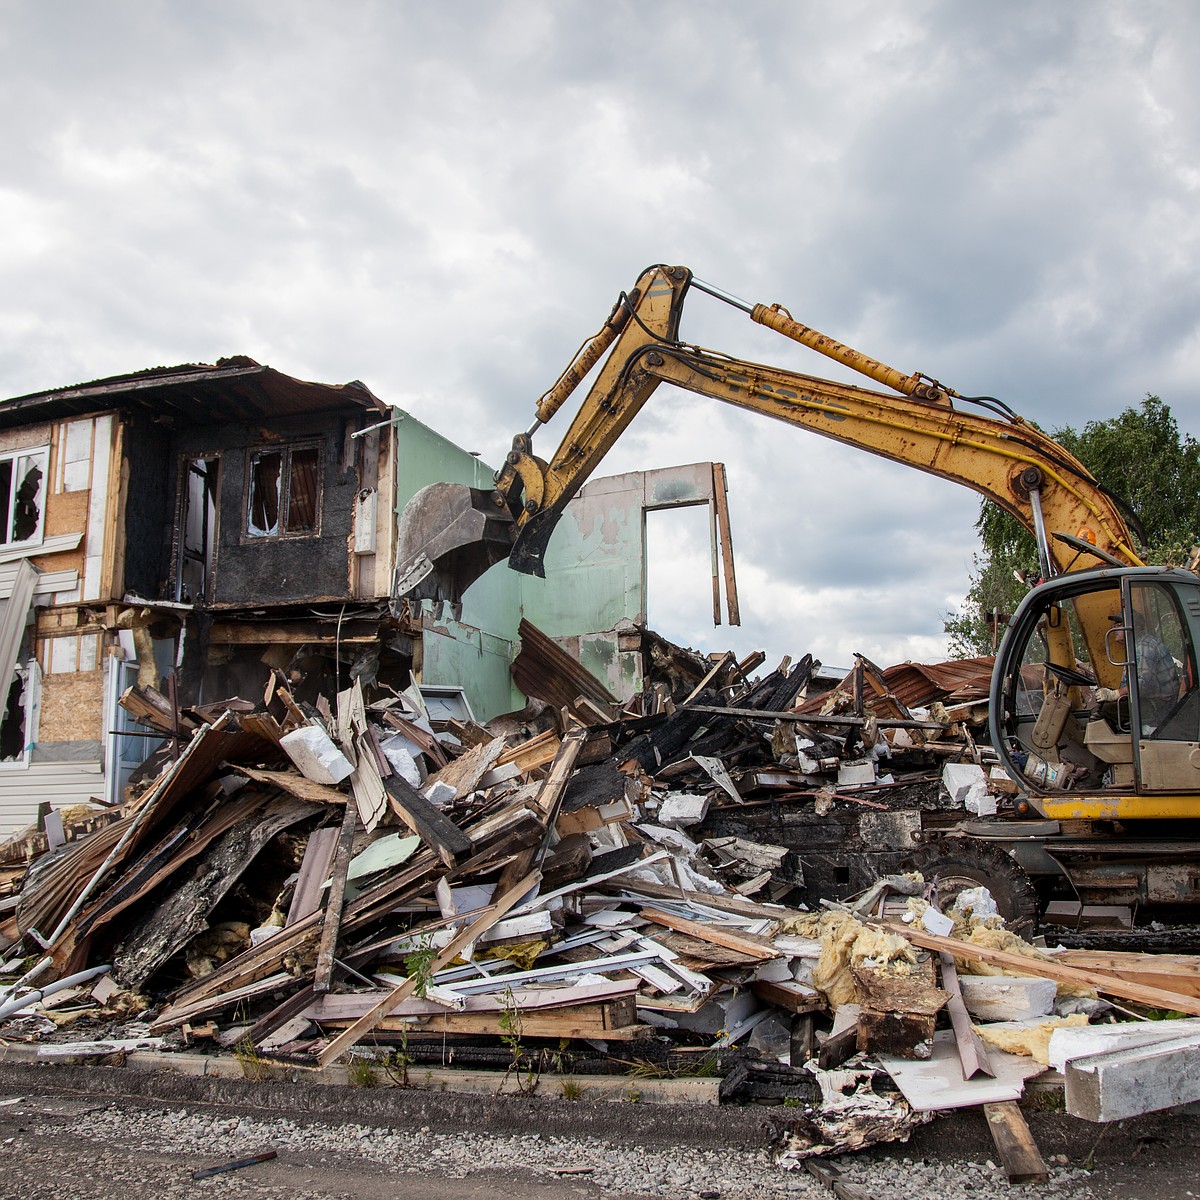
(919, 684)
(22, 789)
(543, 669)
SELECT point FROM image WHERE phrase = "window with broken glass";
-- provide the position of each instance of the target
(284, 491)
(22, 496)
(16, 717)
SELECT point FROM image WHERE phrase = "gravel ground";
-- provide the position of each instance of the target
(76, 1150)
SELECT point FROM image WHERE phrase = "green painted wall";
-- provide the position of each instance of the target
(476, 652)
(595, 574)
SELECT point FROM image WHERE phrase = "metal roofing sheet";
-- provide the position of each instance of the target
(919, 684)
(545, 670)
(234, 389)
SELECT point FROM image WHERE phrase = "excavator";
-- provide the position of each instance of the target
(1095, 697)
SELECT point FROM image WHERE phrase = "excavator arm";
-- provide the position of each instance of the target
(450, 535)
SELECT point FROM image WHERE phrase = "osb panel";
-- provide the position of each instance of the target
(66, 512)
(72, 707)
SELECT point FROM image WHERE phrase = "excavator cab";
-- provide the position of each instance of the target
(1096, 696)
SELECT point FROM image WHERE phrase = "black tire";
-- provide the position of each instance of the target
(959, 863)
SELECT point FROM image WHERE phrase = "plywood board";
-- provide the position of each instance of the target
(936, 1082)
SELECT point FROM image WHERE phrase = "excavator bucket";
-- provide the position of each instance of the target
(449, 535)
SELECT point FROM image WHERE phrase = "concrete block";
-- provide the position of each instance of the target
(682, 808)
(1130, 1082)
(958, 777)
(315, 755)
(1087, 1040)
(1007, 998)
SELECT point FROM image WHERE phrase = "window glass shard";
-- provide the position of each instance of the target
(265, 476)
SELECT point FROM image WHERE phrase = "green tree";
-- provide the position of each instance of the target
(1141, 457)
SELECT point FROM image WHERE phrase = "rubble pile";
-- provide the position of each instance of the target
(562, 887)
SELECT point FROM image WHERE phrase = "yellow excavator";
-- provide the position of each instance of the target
(1095, 697)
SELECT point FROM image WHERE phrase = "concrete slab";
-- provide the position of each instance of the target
(1136, 1080)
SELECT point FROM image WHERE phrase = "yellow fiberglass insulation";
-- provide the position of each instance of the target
(845, 940)
(1001, 939)
(1029, 1038)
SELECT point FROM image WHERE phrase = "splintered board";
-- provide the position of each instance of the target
(611, 1020)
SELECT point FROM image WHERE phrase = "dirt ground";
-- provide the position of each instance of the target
(44, 1158)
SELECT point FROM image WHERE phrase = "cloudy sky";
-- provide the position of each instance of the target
(443, 200)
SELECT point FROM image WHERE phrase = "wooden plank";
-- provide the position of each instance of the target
(1019, 964)
(314, 867)
(332, 926)
(465, 772)
(595, 1018)
(537, 752)
(717, 934)
(607, 1021)
(831, 1177)
(295, 784)
(838, 1047)
(1172, 972)
(356, 1032)
(1019, 1153)
(263, 724)
(427, 821)
(793, 997)
(727, 660)
(547, 804)
(721, 504)
(971, 1050)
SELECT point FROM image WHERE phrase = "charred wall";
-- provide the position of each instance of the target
(284, 568)
(150, 506)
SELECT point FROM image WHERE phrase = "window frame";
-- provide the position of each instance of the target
(285, 450)
(42, 453)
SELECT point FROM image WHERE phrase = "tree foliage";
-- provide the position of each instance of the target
(1141, 457)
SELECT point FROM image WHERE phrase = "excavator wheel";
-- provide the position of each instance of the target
(960, 863)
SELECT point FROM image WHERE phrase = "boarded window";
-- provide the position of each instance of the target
(284, 491)
(22, 496)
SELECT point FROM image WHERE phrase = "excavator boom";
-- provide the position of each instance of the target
(451, 534)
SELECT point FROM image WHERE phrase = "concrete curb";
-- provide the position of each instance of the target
(646, 1112)
(623, 1088)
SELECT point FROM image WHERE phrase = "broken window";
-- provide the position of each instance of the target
(22, 495)
(197, 528)
(284, 491)
(14, 717)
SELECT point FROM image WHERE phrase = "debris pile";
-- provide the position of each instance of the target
(309, 881)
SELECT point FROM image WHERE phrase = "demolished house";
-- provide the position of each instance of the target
(564, 896)
(206, 530)
(187, 523)
(355, 838)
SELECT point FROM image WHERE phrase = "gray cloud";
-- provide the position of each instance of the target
(444, 200)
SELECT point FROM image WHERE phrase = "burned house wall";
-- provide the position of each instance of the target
(150, 509)
(278, 566)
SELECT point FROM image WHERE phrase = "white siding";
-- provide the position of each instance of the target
(22, 789)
